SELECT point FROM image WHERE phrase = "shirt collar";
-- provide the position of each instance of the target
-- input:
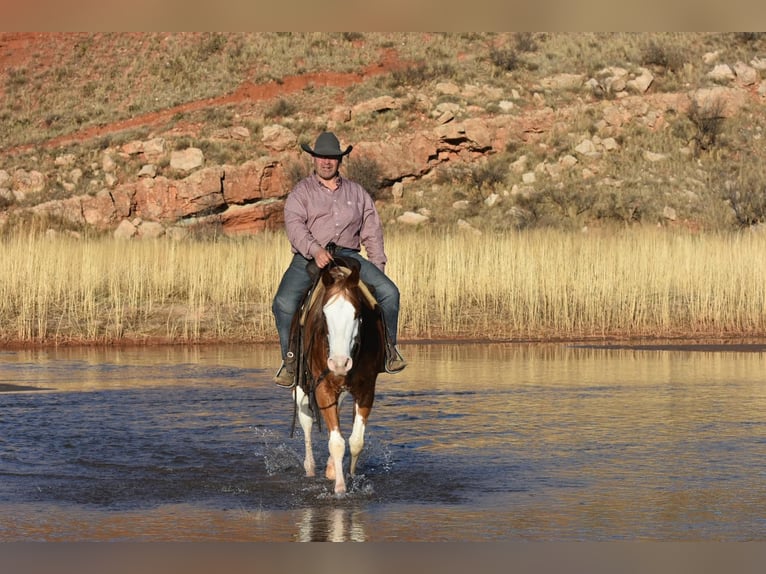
(338, 180)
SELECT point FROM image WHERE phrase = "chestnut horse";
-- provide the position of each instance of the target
(342, 352)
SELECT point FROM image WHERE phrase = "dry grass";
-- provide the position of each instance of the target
(531, 285)
(548, 284)
(105, 290)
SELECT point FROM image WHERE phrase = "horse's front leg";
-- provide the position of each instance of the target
(307, 421)
(336, 444)
(356, 440)
(337, 448)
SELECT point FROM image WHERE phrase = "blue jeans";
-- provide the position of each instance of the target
(296, 281)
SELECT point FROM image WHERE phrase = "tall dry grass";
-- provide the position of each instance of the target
(68, 290)
(542, 284)
(548, 284)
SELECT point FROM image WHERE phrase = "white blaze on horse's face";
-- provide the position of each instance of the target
(342, 329)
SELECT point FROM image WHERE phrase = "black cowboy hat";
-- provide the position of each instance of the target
(327, 145)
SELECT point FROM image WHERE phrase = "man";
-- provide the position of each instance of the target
(324, 208)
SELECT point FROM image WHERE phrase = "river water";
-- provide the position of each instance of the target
(472, 442)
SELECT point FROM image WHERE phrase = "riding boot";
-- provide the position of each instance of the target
(285, 376)
(395, 362)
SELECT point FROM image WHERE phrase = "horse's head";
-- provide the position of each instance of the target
(341, 307)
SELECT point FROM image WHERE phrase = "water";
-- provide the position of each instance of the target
(470, 443)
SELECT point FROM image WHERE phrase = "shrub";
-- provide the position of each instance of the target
(296, 171)
(506, 59)
(282, 108)
(708, 123)
(213, 43)
(6, 201)
(366, 172)
(490, 173)
(16, 78)
(525, 42)
(665, 57)
(749, 37)
(746, 195)
(420, 73)
(558, 205)
(352, 36)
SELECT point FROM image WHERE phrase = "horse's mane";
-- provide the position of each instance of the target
(345, 284)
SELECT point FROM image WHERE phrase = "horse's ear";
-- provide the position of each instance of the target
(327, 277)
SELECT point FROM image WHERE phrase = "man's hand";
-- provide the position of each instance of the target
(322, 258)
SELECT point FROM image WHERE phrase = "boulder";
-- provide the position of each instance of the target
(256, 179)
(253, 218)
(279, 138)
(187, 160)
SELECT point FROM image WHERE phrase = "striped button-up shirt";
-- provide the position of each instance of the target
(316, 215)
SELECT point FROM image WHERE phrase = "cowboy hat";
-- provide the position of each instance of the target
(327, 145)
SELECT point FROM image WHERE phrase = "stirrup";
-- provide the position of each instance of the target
(395, 355)
(286, 380)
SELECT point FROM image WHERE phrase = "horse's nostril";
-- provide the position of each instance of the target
(340, 365)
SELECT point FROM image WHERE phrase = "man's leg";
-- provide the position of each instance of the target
(387, 295)
(295, 282)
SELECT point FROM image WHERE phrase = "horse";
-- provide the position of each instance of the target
(342, 350)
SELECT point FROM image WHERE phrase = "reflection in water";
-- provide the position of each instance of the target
(329, 524)
(470, 442)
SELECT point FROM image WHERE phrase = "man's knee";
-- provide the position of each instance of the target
(387, 294)
(284, 306)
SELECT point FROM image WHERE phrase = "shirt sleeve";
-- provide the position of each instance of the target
(296, 222)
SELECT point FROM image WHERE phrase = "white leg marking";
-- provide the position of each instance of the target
(306, 421)
(356, 440)
(337, 447)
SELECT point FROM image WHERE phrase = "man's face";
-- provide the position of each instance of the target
(326, 167)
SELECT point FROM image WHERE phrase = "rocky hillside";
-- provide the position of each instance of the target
(492, 138)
